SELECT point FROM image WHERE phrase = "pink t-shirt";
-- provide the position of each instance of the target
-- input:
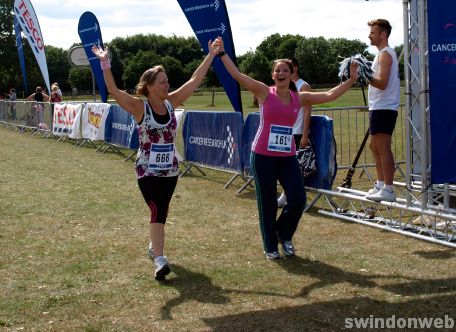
(274, 136)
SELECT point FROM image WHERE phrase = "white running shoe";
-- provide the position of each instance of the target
(374, 190)
(383, 195)
(282, 201)
(162, 268)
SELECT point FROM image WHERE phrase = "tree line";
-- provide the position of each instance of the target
(318, 57)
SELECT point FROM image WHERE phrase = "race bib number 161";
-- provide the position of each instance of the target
(280, 138)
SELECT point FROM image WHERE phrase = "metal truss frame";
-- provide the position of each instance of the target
(424, 213)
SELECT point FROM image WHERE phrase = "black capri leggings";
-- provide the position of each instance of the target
(157, 192)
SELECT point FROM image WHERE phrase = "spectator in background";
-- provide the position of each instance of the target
(56, 94)
(39, 96)
(302, 124)
(12, 99)
(58, 91)
(74, 92)
(55, 97)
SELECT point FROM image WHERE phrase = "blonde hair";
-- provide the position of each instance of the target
(148, 78)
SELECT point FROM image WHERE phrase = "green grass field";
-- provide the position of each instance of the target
(73, 240)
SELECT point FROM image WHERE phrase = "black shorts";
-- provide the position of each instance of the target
(382, 121)
(157, 192)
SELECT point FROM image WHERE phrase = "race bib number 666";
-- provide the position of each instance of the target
(161, 156)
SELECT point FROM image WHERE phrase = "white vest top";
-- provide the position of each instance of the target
(389, 98)
(298, 126)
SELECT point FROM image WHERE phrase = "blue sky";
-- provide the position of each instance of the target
(251, 20)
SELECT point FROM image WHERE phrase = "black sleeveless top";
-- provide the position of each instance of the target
(38, 96)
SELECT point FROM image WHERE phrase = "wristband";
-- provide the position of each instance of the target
(105, 65)
(220, 54)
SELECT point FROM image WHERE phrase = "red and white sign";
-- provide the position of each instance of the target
(28, 21)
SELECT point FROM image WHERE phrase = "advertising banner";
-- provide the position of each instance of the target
(90, 34)
(120, 128)
(66, 120)
(28, 21)
(209, 19)
(20, 51)
(94, 120)
(213, 139)
(321, 129)
(442, 86)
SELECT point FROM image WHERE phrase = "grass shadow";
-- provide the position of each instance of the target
(191, 286)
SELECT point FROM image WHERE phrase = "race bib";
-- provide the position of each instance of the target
(161, 157)
(280, 138)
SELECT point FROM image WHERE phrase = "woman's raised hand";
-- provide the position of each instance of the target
(101, 54)
(212, 49)
(218, 45)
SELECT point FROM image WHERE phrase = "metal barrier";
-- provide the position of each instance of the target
(435, 223)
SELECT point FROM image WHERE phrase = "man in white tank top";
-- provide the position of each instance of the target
(384, 98)
(302, 124)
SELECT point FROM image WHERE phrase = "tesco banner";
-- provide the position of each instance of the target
(66, 120)
(28, 21)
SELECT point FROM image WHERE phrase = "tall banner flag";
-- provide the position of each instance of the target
(90, 34)
(442, 85)
(20, 51)
(209, 19)
(28, 21)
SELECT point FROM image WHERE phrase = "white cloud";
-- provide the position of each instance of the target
(251, 20)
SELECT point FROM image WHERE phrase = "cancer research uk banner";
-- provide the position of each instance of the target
(209, 19)
(66, 120)
(120, 128)
(213, 139)
(28, 21)
(90, 34)
(442, 85)
(94, 120)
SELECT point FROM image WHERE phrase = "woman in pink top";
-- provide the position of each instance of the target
(273, 155)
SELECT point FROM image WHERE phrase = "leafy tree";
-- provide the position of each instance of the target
(399, 50)
(174, 71)
(80, 77)
(137, 65)
(58, 66)
(257, 66)
(8, 50)
(268, 47)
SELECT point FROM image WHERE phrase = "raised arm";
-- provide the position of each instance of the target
(259, 89)
(129, 103)
(178, 97)
(323, 97)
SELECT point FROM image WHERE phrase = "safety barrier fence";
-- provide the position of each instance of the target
(222, 141)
